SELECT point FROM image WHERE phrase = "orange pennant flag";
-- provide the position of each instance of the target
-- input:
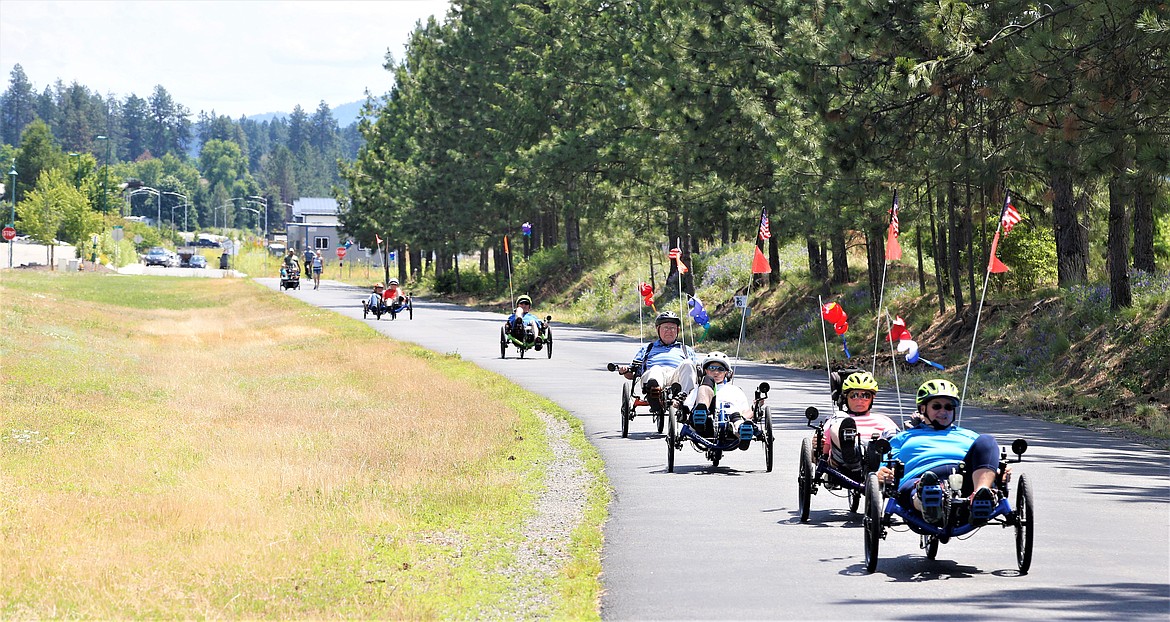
(893, 248)
(506, 251)
(994, 265)
(760, 263)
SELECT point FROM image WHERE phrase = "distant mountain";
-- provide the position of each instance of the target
(346, 114)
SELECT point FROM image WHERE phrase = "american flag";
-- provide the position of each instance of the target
(675, 253)
(894, 226)
(1010, 216)
(765, 231)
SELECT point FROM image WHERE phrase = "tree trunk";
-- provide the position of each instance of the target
(416, 264)
(921, 271)
(483, 258)
(549, 239)
(725, 229)
(816, 269)
(875, 253)
(956, 240)
(1117, 261)
(1143, 224)
(672, 241)
(969, 227)
(653, 285)
(573, 234)
(774, 259)
(840, 257)
(402, 256)
(937, 244)
(1072, 261)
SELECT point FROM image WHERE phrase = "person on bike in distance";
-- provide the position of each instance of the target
(847, 432)
(663, 362)
(525, 326)
(933, 447)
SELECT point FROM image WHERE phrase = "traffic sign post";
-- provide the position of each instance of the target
(9, 233)
(117, 234)
(341, 252)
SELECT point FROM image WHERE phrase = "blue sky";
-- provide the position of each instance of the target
(236, 58)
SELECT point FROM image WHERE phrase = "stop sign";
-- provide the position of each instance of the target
(9, 233)
(341, 252)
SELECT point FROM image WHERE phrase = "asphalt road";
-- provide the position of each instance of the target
(726, 543)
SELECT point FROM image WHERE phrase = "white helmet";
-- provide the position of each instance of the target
(393, 281)
(717, 357)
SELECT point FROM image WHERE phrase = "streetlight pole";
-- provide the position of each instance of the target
(158, 194)
(265, 200)
(105, 170)
(12, 215)
(185, 199)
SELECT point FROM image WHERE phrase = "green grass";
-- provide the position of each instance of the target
(180, 460)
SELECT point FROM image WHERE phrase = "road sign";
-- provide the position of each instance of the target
(341, 252)
(740, 302)
(118, 233)
(9, 233)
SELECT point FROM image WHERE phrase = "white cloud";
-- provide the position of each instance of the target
(234, 57)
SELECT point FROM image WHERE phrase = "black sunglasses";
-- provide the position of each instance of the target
(946, 406)
(716, 368)
(860, 395)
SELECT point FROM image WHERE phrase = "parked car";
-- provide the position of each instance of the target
(157, 256)
(205, 243)
(198, 261)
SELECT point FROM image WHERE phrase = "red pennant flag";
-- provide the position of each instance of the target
(893, 248)
(994, 265)
(760, 263)
(506, 251)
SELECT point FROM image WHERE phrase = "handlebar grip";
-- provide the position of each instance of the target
(611, 366)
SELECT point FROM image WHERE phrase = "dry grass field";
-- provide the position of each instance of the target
(190, 448)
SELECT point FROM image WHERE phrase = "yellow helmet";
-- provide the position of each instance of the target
(937, 388)
(861, 380)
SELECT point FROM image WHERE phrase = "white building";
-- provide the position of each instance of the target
(314, 225)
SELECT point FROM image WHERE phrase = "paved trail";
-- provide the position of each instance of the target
(725, 543)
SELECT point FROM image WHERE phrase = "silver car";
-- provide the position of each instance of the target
(157, 256)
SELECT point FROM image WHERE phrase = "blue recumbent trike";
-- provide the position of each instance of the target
(884, 513)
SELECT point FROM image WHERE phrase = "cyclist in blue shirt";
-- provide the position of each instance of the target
(663, 362)
(930, 450)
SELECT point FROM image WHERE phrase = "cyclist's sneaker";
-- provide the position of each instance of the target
(699, 416)
(930, 493)
(850, 443)
(983, 504)
(746, 431)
